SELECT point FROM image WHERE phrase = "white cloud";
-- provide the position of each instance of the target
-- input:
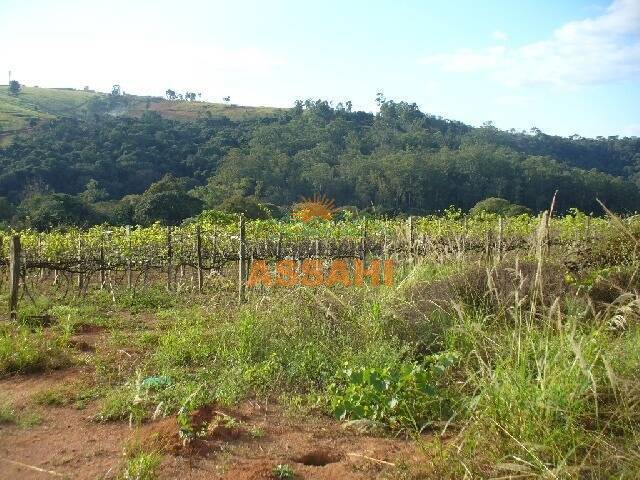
(596, 50)
(499, 35)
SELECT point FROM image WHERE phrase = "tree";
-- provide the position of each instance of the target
(14, 87)
(166, 201)
(46, 211)
(171, 94)
(93, 192)
(498, 206)
(115, 90)
(6, 209)
(248, 206)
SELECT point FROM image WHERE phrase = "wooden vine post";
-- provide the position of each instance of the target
(102, 276)
(129, 274)
(80, 279)
(500, 234)
(169, 258)
(199, 253)
(242, 271)
(363, 242)
(14, 276)
(411, 238)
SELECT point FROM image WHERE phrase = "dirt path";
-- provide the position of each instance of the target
(69, 444)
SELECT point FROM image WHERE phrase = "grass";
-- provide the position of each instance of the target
(510, 376)
(40, 104)
(23, 350)
(140, 465)
(9, 415)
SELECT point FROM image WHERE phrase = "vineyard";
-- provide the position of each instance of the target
(190, 256)
(209, 245)
(503, 344)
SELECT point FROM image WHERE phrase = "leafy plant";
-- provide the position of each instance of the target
(283, 472)
(407, 396)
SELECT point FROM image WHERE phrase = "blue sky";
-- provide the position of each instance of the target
(565, 67)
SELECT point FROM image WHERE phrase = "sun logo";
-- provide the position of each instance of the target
(316, 207)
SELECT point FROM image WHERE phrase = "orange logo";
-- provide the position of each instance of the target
(316, 207)
(311, 272)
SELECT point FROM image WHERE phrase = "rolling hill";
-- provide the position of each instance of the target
(34, 104)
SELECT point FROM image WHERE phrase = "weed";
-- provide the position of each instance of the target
(23, 350)
(141, 466)
(7, 412)
(283, 472)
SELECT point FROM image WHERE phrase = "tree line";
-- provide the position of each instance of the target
(104, 168)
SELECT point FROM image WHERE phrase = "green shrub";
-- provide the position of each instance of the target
(23, 350)
(407, 396)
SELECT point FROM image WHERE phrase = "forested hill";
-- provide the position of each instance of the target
(107, 160)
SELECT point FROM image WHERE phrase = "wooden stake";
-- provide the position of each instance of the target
(500, 233)
(241, 263)
(14, 276)
(102, 278)
(169, 258)
(199, 253)
(129, 273)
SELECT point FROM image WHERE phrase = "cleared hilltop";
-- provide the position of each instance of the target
(33, 104)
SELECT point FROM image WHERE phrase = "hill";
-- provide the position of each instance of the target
(34, 104)
(85, 157)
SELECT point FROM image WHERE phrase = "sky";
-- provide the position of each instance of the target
(566, 67)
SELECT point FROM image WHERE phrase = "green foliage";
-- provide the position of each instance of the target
(248, 206)
(7, 412)
(44, 211)
(23, 350)
(498, 206)
(283, 472)
(141, 465)
(14, 87)
(166, 201)
(6, 209)
(403, 396)
(398, 161)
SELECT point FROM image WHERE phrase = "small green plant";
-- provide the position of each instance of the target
(283, 472)
(141, 466)
(7, 412)
(402, 397)
(256, 431)
(24, 351)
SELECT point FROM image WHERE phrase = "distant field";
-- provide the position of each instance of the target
(46, 103)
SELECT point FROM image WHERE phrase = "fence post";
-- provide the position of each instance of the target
(199, 252)
(241, 263)
(169, 258)
(363, 242)
(279, 246)
(79, 263)
(102, 278)
(129, 274)
(14, 276)
(500, 233)
(411, 238)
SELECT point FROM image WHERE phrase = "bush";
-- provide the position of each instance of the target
(405, 396)
(499, 206)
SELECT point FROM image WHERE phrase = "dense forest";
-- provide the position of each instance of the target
(106, 168)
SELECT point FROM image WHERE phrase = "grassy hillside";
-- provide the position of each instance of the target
(16, 111)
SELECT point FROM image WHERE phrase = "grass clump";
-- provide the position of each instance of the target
(140, 464)
(23, 350)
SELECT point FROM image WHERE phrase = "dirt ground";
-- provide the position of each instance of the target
(242, 443)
